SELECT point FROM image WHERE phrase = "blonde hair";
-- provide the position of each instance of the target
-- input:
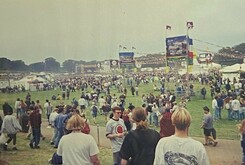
(76, 122)
(181, 118)
(139, 116)
(242, 126)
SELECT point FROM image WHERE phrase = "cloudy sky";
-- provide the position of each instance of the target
(32, 30)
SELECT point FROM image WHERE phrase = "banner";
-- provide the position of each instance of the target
(176, 47)
(150, 60)
(89, 68)
(126, 59)
(114, 64)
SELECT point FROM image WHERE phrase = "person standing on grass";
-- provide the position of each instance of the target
(115, 131)
(207, 126)
(179, 148)
(52, 118)
(220, 104)
(215, 108)
(17, 107)
(82, 103)
(94, 111)
(48, 107)
(77, 147)
(235, 105)
(10, 126)
(35, 123)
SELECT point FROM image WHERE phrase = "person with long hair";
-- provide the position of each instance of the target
(179, 148)
(139, 145)
(77, 147)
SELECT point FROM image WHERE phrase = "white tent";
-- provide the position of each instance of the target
(27, 82)
(233, 71)
(236, 68)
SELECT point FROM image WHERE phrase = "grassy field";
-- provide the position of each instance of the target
(225, 129)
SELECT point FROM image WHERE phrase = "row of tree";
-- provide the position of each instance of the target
(51, 65)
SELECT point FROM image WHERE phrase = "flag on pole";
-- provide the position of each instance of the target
(124, 48)
(189, 25)
(133, 47)
(168, 27)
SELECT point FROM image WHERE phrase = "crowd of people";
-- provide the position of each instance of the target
(125, 123)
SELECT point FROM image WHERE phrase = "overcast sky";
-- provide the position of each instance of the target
(32, 30)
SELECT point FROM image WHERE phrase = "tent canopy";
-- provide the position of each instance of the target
(234, 68)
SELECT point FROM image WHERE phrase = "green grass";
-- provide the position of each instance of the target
(225, 129)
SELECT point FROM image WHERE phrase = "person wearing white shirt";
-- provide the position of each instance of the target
(82, 103)
(17, 107)
(52, 118)
(235, 106)
(101, 103)
(179, 148)
(215, 108)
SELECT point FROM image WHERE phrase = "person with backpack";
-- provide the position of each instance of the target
(139, 145)
(94, 111)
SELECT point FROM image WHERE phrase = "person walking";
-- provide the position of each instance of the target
(48, 107)
(115, 131)
(180, 148)
(207, 126)
(139, 144)
(94, 111)
(35, 123)
(77, 147)
(10, 126)
(52, 118)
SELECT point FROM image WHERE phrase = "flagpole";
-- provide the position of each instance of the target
(188, 26)
(166, 59)
(187, 46)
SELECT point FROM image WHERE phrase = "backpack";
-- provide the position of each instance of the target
(56, 159)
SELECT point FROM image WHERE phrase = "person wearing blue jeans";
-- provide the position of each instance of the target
(155, 111)
(215, 108)
(220, 105)
(35, 122)
(235, 105)
(36, 134)
(59, 124)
